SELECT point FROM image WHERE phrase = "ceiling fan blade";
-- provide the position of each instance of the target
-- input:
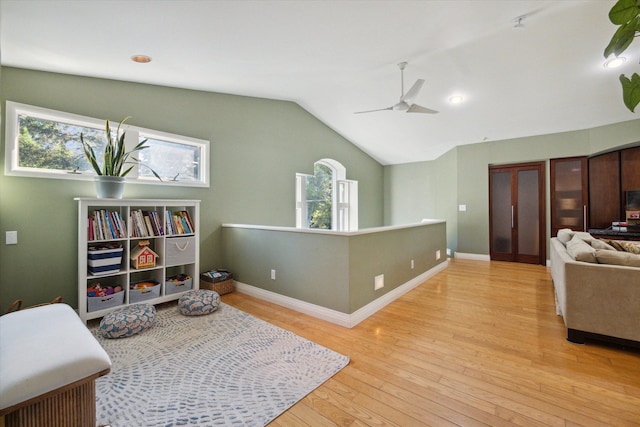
(373, 111)
(413, 92)
(415, 108)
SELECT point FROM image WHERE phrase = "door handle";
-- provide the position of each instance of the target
(512, 216)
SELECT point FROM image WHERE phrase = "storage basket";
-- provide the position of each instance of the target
(137, 295)
(177, 284)
(104, 260)
(220, 287)
(220, 281)
(107, 301)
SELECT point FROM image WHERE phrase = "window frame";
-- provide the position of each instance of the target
(344, 210)
(12, 132)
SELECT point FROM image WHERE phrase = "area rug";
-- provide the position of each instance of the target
(225, 368)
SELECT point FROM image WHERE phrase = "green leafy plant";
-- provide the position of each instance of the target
(625, 14)
(115, 157)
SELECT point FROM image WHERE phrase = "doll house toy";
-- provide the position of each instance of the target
(143, 256)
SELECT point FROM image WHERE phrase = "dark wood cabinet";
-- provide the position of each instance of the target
(569, 193)
(604, 189)
(517, 221)
(629, 170)
(611, 175)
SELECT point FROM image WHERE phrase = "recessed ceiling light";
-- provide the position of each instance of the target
(141, 59)
(456, 99)
(614, 62)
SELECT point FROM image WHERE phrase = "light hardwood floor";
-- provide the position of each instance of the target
(477, 344)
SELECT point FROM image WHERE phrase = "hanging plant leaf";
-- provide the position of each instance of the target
(631, 90)
(624, 11)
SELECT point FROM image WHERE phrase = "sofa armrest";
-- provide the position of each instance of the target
(603, 299)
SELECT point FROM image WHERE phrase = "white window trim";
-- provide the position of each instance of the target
(339, 207)
(11, 168)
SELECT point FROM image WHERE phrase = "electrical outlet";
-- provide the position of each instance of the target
(448, 251)
(438, 254)
(412, 265)
(273, 274)
(378, 282)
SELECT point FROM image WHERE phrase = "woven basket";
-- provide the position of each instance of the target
(220, 287)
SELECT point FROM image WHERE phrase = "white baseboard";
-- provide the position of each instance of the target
(333, 316)
(477, 257)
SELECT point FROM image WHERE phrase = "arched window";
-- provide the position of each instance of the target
(326, 199)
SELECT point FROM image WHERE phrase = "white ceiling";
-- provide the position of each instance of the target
(337, 57)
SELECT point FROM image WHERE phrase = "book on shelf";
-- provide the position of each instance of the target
(106, 225)
(145, 223)
(179, 222)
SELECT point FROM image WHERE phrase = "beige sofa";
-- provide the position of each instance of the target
(596, 300)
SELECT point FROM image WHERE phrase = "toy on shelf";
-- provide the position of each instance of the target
(97, 290)
(143, 256)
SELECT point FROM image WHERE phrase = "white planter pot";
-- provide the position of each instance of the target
(109, 187)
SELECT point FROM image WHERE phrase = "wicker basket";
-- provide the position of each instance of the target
(221, 288)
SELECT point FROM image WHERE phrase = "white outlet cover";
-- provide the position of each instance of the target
(378, 282)
(462, 208)
(11, 238)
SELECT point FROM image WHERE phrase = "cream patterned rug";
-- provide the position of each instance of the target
(225, 368)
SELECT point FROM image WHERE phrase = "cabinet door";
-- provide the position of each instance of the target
(630, 169)
(569, 196)
(604, 190)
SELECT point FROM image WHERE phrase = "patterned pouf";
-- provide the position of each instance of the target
(199, 302)
(127, 321)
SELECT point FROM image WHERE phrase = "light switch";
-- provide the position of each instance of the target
(11, 238)
(462, 208)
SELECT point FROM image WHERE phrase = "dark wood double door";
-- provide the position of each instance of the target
(517, 221)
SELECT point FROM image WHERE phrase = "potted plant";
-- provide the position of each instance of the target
(116, 162)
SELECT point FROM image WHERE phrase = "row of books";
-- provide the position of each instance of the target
(106, 225)
(179, 223)
(109, 225)
(146, 223)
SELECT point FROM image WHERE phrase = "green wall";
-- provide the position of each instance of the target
(462, 178)
(332, 270)
(257, 147)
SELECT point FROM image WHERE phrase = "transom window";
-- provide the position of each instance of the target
(46, 143)
(326, 199)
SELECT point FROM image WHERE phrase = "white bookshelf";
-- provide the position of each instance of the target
(178, 251)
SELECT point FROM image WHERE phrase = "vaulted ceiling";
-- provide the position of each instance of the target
(338, 57)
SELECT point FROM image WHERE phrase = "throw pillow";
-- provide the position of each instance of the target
(631, 247)
(617, 258)
(580, 250)
(600, 244)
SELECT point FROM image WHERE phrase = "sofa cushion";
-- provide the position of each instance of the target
(600, 244)
(580, 250)
(617, 258)
(565, 234)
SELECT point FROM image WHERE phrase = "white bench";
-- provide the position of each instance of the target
(49, 362)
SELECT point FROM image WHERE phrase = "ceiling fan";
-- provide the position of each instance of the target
(406, 99)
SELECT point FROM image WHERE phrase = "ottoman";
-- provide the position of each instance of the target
(199, 302)
(127, 321)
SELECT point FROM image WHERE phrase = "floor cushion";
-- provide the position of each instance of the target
(127, 321)
(199, 302)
